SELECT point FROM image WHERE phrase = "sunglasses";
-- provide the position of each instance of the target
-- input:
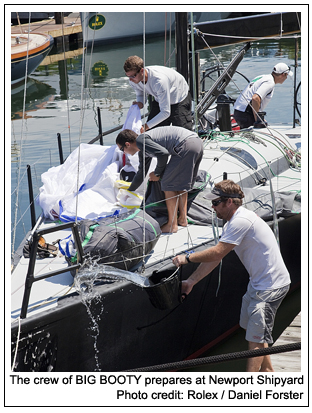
(218, 201)
(134, 76)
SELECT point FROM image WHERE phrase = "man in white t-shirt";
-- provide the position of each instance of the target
(172, 102)
(256, 96)
(254, 243)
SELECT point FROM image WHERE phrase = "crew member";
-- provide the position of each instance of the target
(178, 176)
(256, 96)
(172, 101)
(255, 244)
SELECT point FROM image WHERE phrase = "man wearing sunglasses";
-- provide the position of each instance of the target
(256, 96)
(254, 243)
(172, 101)
(185, 149)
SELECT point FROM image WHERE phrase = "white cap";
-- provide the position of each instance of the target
(282, 68)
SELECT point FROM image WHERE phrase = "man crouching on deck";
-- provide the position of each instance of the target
(255, 244)
(178, 176)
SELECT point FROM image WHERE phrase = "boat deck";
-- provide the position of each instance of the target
(290, 361)
(167, 246)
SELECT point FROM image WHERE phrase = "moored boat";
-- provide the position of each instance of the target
(27, 52)
(246, 28)
(123, 26)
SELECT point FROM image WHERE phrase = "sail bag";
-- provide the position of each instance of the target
(120, 241)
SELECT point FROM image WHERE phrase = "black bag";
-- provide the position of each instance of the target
(119, 242)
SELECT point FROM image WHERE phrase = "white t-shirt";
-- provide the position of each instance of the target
(263, 86)
(166, 85)
(257, 249)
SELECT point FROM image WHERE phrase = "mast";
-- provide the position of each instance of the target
(182, 45)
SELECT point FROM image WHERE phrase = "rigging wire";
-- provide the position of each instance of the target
(66, 81)
(21, 140)
(194, 75)
(144, 166)
(80, 136)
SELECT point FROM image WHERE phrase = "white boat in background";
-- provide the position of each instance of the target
(112, 27)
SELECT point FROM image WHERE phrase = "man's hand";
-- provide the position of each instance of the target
(186, 287)
(153, 177)
(179, 260)
(140, 104)
(144, 128)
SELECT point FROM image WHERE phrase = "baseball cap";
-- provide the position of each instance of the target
(282, 68)
(217, 193)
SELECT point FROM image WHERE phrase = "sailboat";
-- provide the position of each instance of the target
(125, 311)
(27, 52)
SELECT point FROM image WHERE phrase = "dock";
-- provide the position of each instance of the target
(69, 31)
(290, 361)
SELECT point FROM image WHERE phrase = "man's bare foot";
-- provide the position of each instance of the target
(182, 222)
(169, 228)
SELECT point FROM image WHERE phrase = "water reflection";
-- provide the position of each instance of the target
(38, 94)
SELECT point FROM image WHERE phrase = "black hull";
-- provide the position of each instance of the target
(243, 29)
(132, 332)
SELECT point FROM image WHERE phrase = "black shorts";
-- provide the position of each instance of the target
(181, 114)
(244, 119)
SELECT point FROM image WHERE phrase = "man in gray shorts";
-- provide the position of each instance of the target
(178, 176)
(255, 244)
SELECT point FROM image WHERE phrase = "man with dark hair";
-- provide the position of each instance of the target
(172, 101)
(256, 96)
(178, 176)
(255, 244)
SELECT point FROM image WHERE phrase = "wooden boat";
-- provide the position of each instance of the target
(96, 322)
(27, 52)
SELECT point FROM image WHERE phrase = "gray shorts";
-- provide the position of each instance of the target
(258, 312)
(181, 171)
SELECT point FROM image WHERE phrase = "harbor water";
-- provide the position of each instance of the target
(61, 98)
